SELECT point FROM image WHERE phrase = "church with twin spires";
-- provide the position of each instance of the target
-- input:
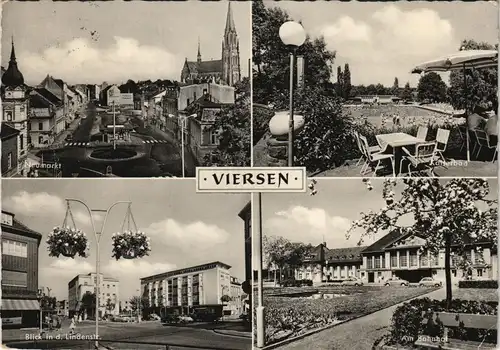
(225, 71)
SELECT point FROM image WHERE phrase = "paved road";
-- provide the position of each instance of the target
(153, 332)
(358, 334)
(157, 154)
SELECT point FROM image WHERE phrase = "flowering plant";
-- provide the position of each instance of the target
(68, 242)
(130, 245)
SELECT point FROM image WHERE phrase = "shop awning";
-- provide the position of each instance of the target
(20, 304)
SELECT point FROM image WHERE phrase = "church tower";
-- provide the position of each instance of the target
(231, 73)
(15, 107)
(198, 57)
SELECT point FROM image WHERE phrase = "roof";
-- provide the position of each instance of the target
(12, 76)
(344, 254)
(213, 66)
(187, 269)
(246, 209)
(49, 96)
(379, 245)
(59, 82)
(8, 131)
(19, 226)
(38, 101)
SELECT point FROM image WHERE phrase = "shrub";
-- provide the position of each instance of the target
(408, 320)
(261, 116)
(478, 284)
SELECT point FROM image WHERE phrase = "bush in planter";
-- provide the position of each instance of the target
(478, 284)
(130, 245)
(68, 242)
(407, 320)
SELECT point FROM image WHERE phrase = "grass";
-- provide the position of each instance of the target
(479, 294)
(291, 316)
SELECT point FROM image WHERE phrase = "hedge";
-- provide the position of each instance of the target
(478, 284)
(407, 321)
(296, 283)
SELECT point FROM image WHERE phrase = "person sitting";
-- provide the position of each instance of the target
(477, 119)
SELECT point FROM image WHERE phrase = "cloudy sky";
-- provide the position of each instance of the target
(381, 41)
(92, 42)
(185, 228)
(328, 215)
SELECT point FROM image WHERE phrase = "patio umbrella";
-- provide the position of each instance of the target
(462, 60)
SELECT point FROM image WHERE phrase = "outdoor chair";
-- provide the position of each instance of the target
(423, 158)
(442, 138)
(373, 159)
(422, 133)
(483, 140)
(462, 130)
(371, 149)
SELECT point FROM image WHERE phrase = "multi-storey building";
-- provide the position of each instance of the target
(109, 300)
(398, 255)
(20, 306)
(235, 306)
(186, 289)
(10, 138)
(15, 105)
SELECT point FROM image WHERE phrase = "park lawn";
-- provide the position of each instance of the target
(292, 316)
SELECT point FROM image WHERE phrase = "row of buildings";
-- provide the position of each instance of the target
(179, 291)
(397, 255)
(33, 116)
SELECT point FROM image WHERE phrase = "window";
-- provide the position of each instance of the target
(9, 160)
(8, 116)
(21, 142)
(369, 263)
(187, 103)
(14, 278)
(455, 259)
(194, 96)
(383, 261)
(377, 262)
(14, 248)
(214, 137)
(40, 140)
(413, 259)
(435, 260)
(403, 261)
(479, 257)
(22, 109)
(394, 260)
(40, 126)
(479, 272)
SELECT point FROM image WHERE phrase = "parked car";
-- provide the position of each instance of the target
(170, 319)
(429, 282)
(154, 317)
(396, 281)
(352, 281)
(185, 319)
(69, 138)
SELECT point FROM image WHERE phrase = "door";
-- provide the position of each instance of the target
(371, 277)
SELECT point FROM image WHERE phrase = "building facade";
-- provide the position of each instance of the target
(15, 105)
(188, 288)
(20, 306)
(42, 117)
(396, 255)
(10, 138)
(224, 71)
(109, 290)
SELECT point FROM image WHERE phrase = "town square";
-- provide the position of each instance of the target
(355, 89)
(87, 98)
(124, 264)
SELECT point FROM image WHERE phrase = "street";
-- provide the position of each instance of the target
(151, 152)
(195, 336)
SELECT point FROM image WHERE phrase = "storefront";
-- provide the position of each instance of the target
(20, 313)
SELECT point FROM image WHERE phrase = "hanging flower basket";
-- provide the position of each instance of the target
(68, 242)
(130, 245)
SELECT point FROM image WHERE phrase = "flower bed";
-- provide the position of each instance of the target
(130, 245)
(490, 284)
(292, 316)
(68, 242)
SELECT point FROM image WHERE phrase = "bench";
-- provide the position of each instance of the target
(471, 321)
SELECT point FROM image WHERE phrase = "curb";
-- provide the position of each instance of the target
(241, 335)
(314, 331)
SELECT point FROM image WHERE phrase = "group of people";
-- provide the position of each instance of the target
(485, 117)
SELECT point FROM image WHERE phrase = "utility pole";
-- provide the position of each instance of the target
(114, 127)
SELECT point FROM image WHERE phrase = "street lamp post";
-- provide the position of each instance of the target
(40, 294)
(97, 235)
(260, 294)
(293, 35)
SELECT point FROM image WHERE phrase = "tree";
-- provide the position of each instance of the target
(481, 84)
(88, 303)
(129, 87)
(346, 82)
(407, 93)
(233, 126)
(110, 306)
(445, 213)
(395, 87)
(340, 82)
(136, 304)
(431, 88)
(271, 74)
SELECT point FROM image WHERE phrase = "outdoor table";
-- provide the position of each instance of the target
(397, 141)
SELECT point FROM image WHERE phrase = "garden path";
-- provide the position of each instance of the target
(358, 334)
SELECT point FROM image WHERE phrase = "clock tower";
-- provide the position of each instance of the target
(15, 108)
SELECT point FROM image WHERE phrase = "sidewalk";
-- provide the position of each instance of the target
(59, 140)
(358, 334)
